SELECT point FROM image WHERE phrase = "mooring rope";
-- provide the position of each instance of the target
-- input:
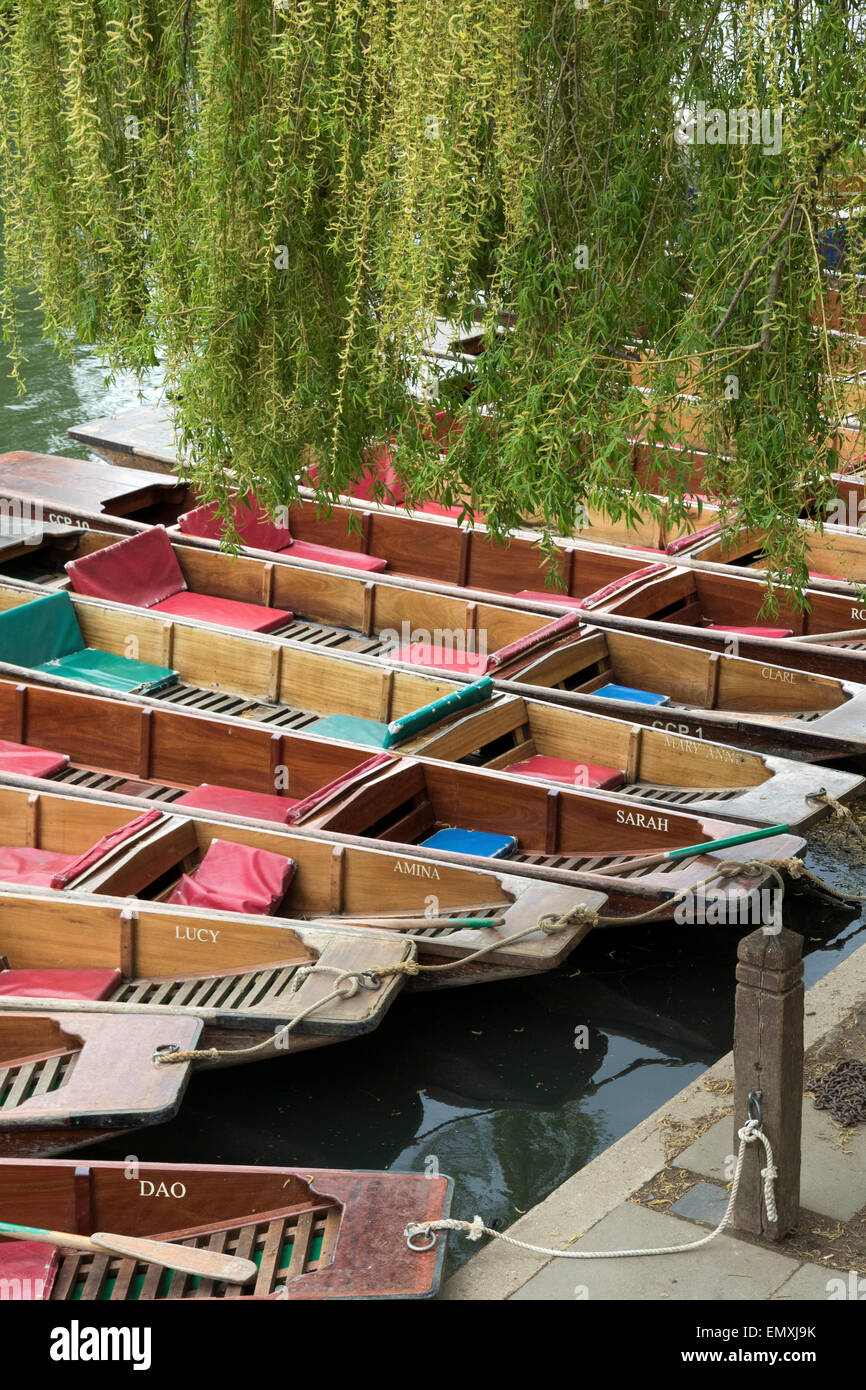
(350, 981)
(750, 1133)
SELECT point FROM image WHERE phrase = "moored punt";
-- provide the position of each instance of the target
(313, 1233)
(377, 616)
(196, 762)
(729, 603)
(298, 690)
(689, 684)
(245, 976)
(69, 1079)
(561, 836)
(67, 843)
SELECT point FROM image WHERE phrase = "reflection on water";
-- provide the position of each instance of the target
(486, 1084)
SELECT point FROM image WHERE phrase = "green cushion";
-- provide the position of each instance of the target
(110, 671)
(42, 630)
(350, 729)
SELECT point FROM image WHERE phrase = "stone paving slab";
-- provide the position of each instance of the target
(832, 1182)
(728, 1269)
(703, 1202)
(816, 1283)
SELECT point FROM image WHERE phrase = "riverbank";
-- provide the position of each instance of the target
(664, 1183)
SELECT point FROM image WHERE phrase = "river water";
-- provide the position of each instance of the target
(509, 1088)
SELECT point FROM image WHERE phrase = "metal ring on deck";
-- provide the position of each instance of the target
(370, 979)
(412, 1236)
(163, 1049)
(754, 1105)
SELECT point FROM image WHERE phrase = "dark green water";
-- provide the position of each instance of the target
(487, 1082)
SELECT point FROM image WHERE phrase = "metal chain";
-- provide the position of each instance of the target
(842, 1092)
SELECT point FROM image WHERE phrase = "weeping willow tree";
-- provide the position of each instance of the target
(278, 200)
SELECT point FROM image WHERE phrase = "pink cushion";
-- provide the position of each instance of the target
(438, 509)
(331, 555)
(378, 469)
(425, 654)
(30, 762)
(752, 631)
(236, 878)
(252, 523)
(27, 1269)
(228, 612)
(58, 984)
(234, 802)
(20, 864)
(569, 773)
(547, 596)
(141, 570)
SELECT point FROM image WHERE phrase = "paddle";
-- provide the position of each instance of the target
(689, 850)
(207, 1264)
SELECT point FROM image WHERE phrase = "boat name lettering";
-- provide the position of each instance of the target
(152, 1189)
(772, 673)
(56, 519)
(676, 728)
(195, 934)
(859, 613)
(638, 818)
(701, 750)
(403, 866)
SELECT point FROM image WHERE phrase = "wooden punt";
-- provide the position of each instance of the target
(98, 842)
(560, 836)
(296, 689)
(164, 756)
(69, 1078)
(771, 697)
(432, 549)
(244, 976)
(731, 603)
(314, 1233)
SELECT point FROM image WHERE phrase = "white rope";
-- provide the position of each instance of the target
(474, 1230)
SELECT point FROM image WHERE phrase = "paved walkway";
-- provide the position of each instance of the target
(665, 1184)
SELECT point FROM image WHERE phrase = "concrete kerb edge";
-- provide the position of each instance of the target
(583, 1200)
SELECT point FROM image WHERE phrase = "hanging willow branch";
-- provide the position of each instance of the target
(277, 201)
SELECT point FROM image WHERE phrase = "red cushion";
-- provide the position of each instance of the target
(752, 631)
(30, 762)
(228, 612)
(330, 555)
(252, 523)
(234, 802)
(547, 596)
(58, 984)
(27, 1269)
(569, 773)
(141, 570)
(437, 509)
(236, 878)
(20, 864)
(425, 654)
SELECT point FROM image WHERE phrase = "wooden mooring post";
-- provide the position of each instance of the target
(768, 1058)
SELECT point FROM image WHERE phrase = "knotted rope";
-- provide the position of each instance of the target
(751, 1133)
(348, 982)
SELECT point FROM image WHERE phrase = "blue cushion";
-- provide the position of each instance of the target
(457, 841)
(625, 692)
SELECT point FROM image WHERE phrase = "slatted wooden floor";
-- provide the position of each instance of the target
(18, 1083)
(282, 1246)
